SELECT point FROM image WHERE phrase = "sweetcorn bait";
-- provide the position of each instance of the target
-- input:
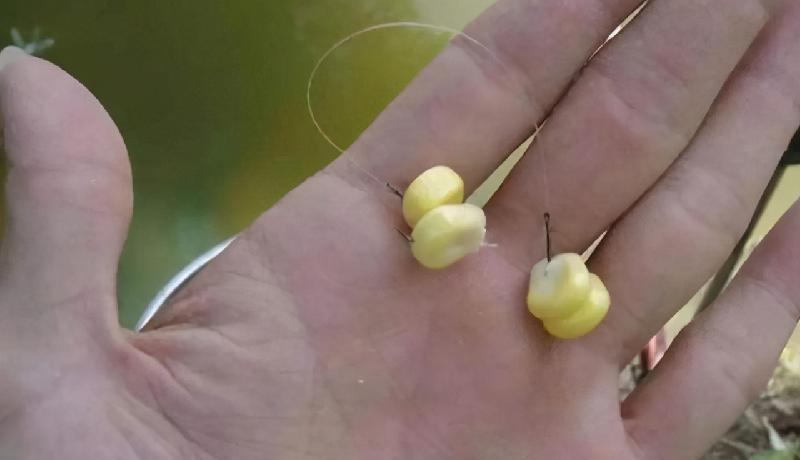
(585, 319)
(435, 187)
(444, 228)
(570, 301)
(558, 287)
(448, 233)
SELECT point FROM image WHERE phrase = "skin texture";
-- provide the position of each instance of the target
(297, 343)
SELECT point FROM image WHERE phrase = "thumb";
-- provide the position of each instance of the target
(68, 195)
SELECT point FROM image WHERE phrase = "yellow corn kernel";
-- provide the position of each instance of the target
(586, 318)
(435, 187)
(448, 233)
(559, 287)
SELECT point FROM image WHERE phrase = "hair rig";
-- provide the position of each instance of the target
(570, 301)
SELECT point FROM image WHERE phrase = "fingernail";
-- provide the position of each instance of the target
(9, 55)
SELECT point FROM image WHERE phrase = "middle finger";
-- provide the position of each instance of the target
(634, 109)
(663, 250)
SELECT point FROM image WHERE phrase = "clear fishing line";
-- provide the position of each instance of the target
(453, 34)
(389, 25)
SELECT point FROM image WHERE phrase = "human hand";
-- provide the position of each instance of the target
(316, 335)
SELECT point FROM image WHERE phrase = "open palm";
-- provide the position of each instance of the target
(316, 335)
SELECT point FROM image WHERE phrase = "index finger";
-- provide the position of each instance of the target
(471, 107)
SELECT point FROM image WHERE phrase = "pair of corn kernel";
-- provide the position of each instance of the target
(444, 228)
(569, 300)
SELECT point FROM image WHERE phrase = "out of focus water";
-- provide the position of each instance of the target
(210, 97)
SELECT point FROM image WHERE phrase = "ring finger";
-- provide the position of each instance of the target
(634, 109)
(665, 248)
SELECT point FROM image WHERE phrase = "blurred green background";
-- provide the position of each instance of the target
(210, 97)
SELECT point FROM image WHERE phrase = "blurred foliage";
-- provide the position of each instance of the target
(34, 45)
(791, 453)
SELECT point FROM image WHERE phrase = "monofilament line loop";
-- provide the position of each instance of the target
(388, 25)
